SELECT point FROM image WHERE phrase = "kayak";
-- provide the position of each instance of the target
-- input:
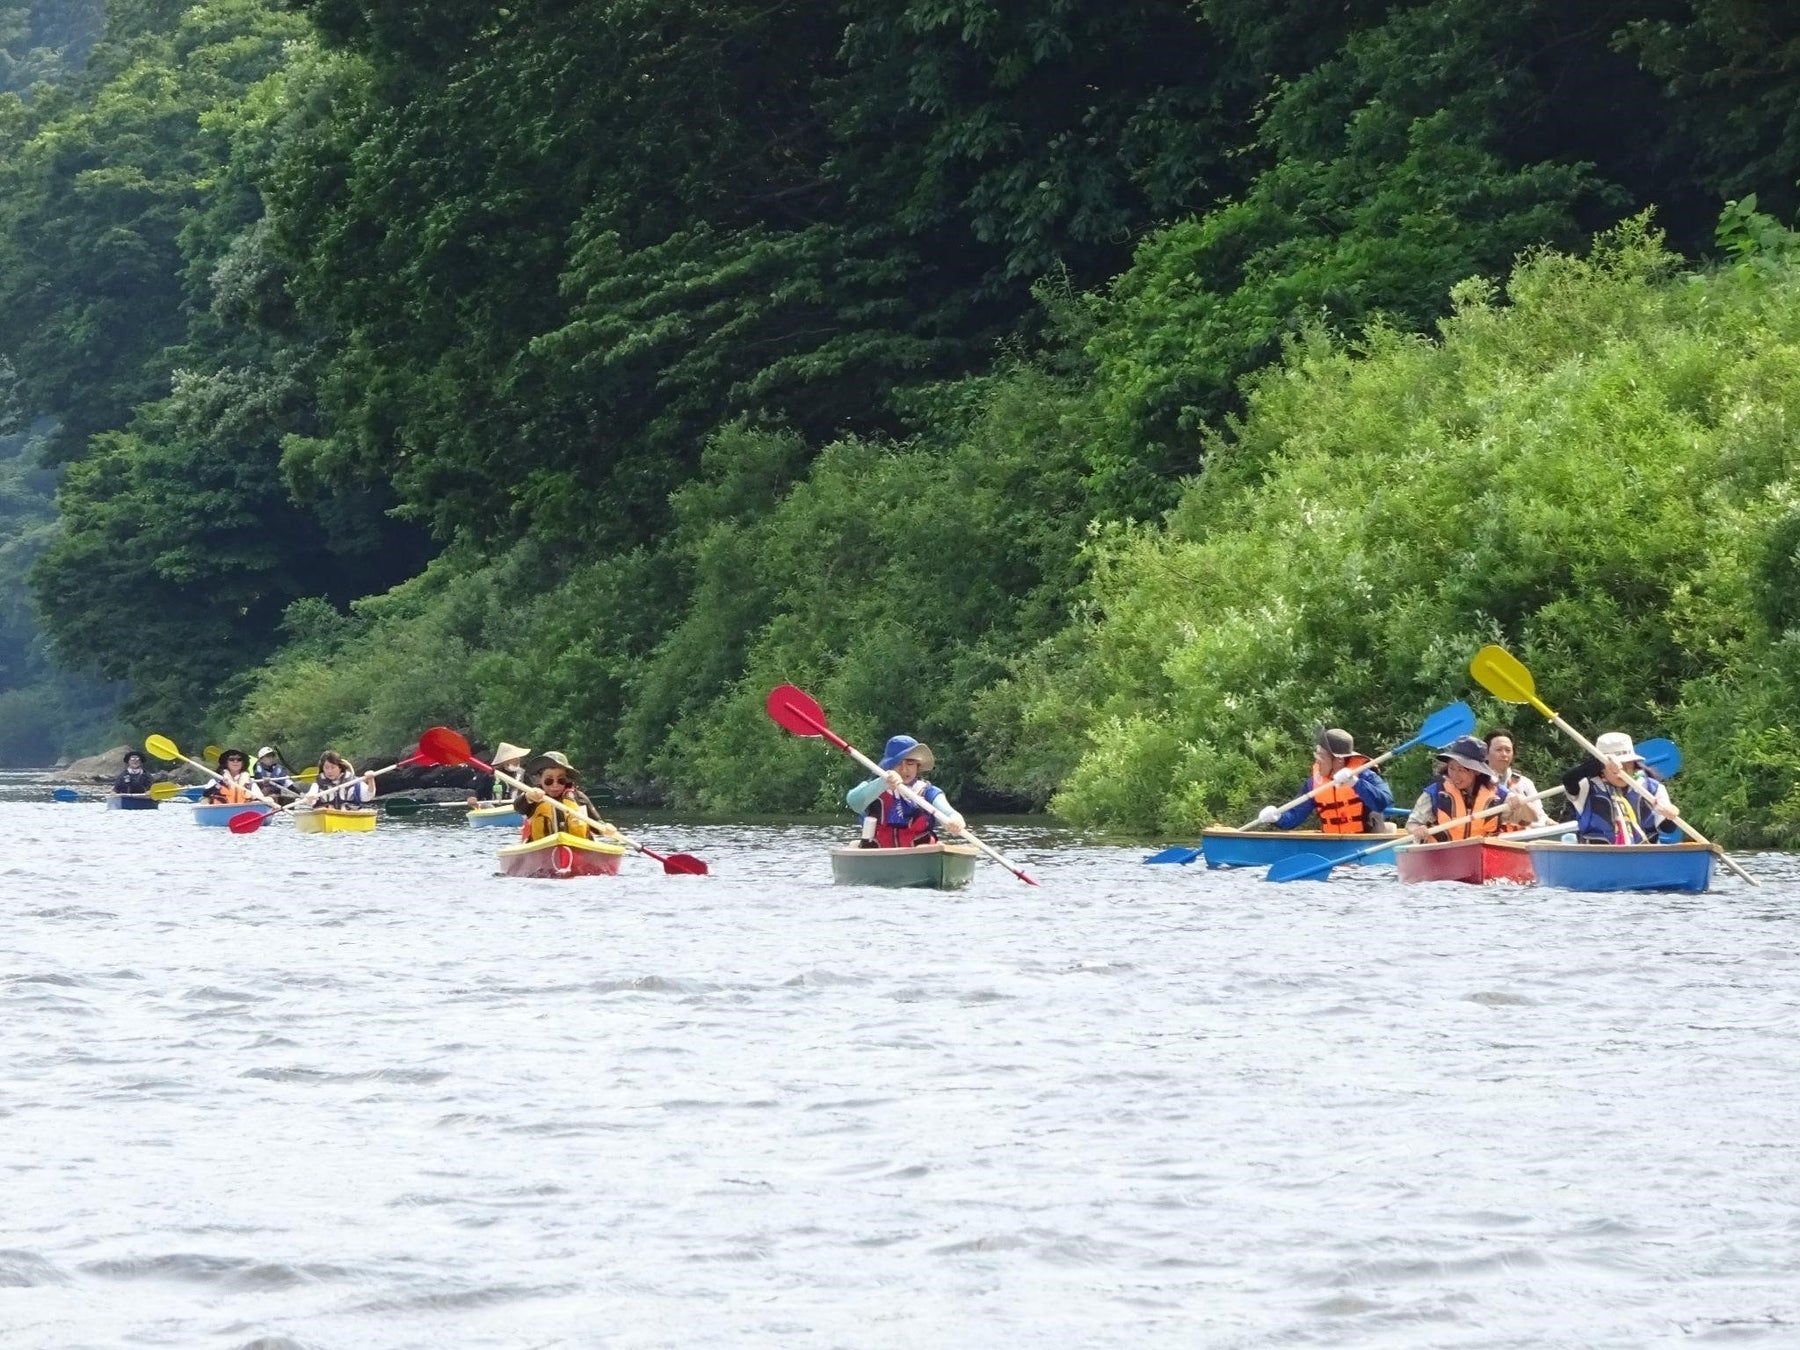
(218, 813)
(938, 867)
(561, 855)
(1222, 847)
(502, 815)
(1469, 860)
(1621, 867)
(334, 820)
(116, 801)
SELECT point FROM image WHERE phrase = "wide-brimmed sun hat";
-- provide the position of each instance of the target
(227, 754)
(1469, 752)
(1335, 741)
(1617, 745)
(902, 748)
(559, 760)
(506, 752)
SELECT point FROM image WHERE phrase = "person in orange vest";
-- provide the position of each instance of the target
(1467, 787)
(232, 785)
(1348, 796)
(889, 819)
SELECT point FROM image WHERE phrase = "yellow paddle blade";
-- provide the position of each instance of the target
(1499, 672)
(161, 747)
(163, 791)
(210, 754)
(307, 775)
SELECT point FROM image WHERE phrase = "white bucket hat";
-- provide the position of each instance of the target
(506, 752)
(1616, 745)
(265, 752)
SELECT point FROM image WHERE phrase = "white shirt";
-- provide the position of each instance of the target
(1517, 782)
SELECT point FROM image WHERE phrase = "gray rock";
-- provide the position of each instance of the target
(100, 768)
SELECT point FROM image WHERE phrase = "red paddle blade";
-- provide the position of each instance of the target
(247, 822)
(796, 710)
(684, 864)
(440, 745)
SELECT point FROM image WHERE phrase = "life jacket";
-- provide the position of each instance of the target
(1340, 810)
(900, 824)
(229, 791)
(544, 820)
(132, 782)
(1616, 815)
(346, 791)
(1451, 806)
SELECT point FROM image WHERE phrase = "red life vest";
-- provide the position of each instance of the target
(1450, 806)
(901, 824)
(1340, 810)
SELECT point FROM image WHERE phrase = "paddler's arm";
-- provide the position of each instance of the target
(861, 797)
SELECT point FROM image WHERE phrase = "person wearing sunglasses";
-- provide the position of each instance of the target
(233, 785)
(890, 820)
(558, 782)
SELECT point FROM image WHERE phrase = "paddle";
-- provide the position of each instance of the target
(160, 792)
(409, 806)
(161, 747)
(441, 745)
(249, 822)
(1505, 677)
(799, 712)
(211, 753)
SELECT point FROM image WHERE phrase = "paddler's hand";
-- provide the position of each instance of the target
(534, 795)
(1519, 811)
(957, 824)
(1420, 832)
(1344, 777)
(1267, 816)
(893, 779)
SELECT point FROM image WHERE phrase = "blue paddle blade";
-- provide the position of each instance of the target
(1300, 867)
(1446, 724)
(66, 795)
(1174, 855)
(193, 794)
(1661, 757)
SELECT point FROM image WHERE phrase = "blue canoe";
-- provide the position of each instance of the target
(134, 802)
(1223, 847)
(1621, 867)
(491, 817)
(215, 813)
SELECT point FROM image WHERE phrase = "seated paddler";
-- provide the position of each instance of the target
(232, 784)
(271, 774)
(509, 759)
(1347, 795)
(1467, 788)
(1616, 803)
(338, 784)
(558, 785)
(134, 781)
(890, 820)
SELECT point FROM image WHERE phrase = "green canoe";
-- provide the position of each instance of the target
(941, 867)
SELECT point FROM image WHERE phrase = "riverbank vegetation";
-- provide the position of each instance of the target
(1103, 392)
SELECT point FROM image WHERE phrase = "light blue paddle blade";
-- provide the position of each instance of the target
(1174, 855)
(1661, 757)
(1446, 724)
(66, 795)
(193, 794)
(1300, 867)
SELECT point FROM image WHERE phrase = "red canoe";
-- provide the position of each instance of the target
(1472, 860)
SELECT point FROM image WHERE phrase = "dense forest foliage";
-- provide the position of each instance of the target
(1100, 389)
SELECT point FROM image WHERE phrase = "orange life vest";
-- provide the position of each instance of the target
(1450, 806)
(901, 824)
(226, 791)
(1340, 810)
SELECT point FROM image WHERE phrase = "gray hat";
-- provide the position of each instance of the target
(1335, 741)
(1469, 752)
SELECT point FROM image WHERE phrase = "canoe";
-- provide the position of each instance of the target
(1621, 867)
(561, 855)
(502, 815)
(133, 802)
(215, 813)
(938, 867)
(1222, 847)
(1470, 860)
(334, 820)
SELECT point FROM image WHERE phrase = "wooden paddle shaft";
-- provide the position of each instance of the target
(1648, 797)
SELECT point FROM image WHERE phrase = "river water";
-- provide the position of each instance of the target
(280, 1091)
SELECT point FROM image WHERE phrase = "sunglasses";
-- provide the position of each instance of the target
(548, 781)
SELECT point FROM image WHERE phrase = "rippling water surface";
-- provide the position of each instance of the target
(280, 1091)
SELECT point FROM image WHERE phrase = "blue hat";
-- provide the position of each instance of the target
(905, 747)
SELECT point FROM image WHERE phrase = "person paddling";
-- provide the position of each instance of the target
(1500, 761)
(1610, 802)
(1349, 796)
(271, 774)
(1467, 787)
(889, 819)
(134, 779)
(558, 781)
(337, 784)
(509, 759)
(233, 785)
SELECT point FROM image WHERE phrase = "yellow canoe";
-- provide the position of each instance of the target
(334, 820)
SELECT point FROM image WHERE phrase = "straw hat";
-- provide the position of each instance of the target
(506, 752)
